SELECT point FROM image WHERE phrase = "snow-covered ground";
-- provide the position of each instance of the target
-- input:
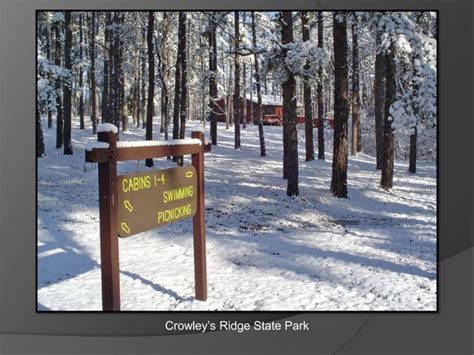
(375, 250)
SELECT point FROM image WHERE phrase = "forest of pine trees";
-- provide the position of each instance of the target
(373, 73)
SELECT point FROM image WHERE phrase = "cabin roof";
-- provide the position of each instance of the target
(269, 100)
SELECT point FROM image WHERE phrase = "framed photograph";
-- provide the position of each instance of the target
(236, 160)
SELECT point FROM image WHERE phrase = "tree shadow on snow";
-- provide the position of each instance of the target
(59, 254)
(61, 261)
(274, 252)
(156, 287)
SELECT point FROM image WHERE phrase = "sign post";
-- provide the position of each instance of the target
(130, 204)
(109, 251)
(199, 230)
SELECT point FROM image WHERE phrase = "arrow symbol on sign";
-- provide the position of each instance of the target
(189, 174)
(125, 227)
(128, 205)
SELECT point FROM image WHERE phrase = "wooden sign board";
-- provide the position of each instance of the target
(130, 204)
(152, 199)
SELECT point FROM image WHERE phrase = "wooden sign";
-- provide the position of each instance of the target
(132, 203)
(152, 199)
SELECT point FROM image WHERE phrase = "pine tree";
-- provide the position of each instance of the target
(412, 160)
(308, 102)
(289, 112)
(320, 93)
(116, 93)
(378, 101)
(237, 100)
(81, 77)
(67, 86)
(48, 56)
(183, 80)
(40, 150)
(388, 135)
(163, 59)
(244, 96)
(212, 79)
(356, 127)
(106, 114)
(93, 86)
(58, 84)
(143, 113)
(151, 82)
(259, 90)
(416, 113)
(177, 87)
(341, 107)
(184, 72)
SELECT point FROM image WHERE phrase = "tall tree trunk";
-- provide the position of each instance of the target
(94, 113)
(356, 127)
(237, 110)
(151, 82)
(201, 99)
(188, 29)
(117, 75)
(244, 97)
(123, 109)
(327, 96)
(122, 106)
(183, 81)
(413, 139)
(112, 80)
(48, 55)
(134, 98)
(40, 151)
(251, 112)
(57, 87)
(177, 88)
(390, 96)
(341, 107)
(229, 117)
(143, 103)
(106, 116)
(161, 52)
(378, 102)
(212, 80)
(308, 103)
(164, 84)
(365, 97)
(320, 93)
(81, 78)
(259, 90)
(68, 84)
(416, 113)
(184, 75)
(289, 112)
(138, 92)
(229, 121)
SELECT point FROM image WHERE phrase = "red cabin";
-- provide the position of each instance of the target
(272, 108)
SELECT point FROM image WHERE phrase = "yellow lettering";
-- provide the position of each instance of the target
(173, 214)
(177, 194)
(136, 183)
